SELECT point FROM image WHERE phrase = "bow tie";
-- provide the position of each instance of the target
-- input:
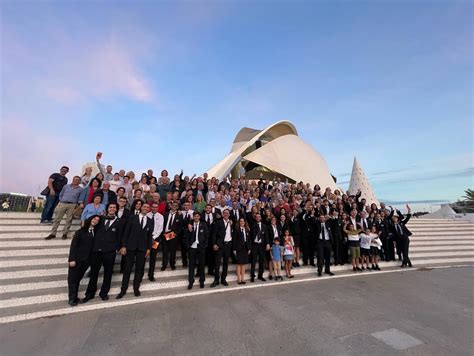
(109, 218)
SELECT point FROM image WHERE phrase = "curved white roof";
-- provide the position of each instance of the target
(283, 151)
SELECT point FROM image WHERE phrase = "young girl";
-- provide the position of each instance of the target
(288, 253)
(375, 246)
(275, 253)
(365, 240)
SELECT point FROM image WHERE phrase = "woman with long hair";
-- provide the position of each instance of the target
(241, 247)
(79, 256)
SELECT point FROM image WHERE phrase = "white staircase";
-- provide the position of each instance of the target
(33, 271)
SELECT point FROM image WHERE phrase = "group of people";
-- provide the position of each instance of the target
(275, 225)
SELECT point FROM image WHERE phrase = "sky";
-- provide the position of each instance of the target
(168, 84)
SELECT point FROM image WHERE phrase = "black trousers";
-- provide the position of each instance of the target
(344, 252)
(324, 255)
(258, 254)
(210, 259)
(390, 249)
(184, 252)
(404, 246)
(384, 241)
(151, 268)
(137, 259)
(337, 250)
(196, 256)
(122, 263)
(309, 248)
(223, 254)
(169, 252)
(99, 259)
(74, 277)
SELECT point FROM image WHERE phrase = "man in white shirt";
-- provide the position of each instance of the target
(222, 246)
(197, 238)
(157, 230)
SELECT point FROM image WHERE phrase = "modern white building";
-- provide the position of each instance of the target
(275, 151)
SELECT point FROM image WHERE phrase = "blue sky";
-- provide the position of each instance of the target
(169, 84)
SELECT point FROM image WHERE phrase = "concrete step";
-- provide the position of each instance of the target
(28, 222)
(30, 228)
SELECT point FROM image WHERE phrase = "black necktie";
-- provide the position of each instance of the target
(141, 222)
(322, 232)
(208, 220)
(107, 224)
(400, 229)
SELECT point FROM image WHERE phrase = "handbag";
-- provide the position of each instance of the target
(169, 235)
(45, 191)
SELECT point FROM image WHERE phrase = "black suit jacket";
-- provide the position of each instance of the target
(81, 246)
(112, 196)
(233, 215)
(318, 229)
(307, 224)
(337, 229)
(203, 236)
(177, 225)
(108, 239)
(405, 232)
(219, 233)
(262, 233)
(137, 238)
(271, 233)
(295, 226)
(238, 243)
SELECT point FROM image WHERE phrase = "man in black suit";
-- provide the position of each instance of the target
(308, 238)
(210, 219)
(222, 246)
(197, 238)
(173, 222)
(295, 231)
(123, 214)
(236, 212)
(107, 241)
(260, 244)
(337, 231)
(399, 229)
(363, 221)
(325, 239)
(136, 244)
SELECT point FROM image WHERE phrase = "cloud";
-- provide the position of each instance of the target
(75, 70)
(28, 157)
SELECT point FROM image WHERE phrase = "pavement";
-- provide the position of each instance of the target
(412, 312)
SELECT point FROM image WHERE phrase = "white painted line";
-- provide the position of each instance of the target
(38, 252)
(129, 301)
(416, 242)
(441, 254)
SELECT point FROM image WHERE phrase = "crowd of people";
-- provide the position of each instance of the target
(275, 225)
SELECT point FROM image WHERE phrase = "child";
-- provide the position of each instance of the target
(276, 253)
(288, 252)
(375, 246)
(365, 240)
(354, 245)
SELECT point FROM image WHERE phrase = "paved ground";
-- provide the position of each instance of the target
(416, 313)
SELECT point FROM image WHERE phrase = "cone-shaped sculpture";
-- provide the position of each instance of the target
(360, 182)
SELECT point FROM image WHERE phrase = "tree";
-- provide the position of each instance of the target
(469, 196)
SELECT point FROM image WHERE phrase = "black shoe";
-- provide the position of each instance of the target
(262, 279)
(214, 284)
(86, 299)
(305, 263)
(319, 274)
(151, 278)
(312, 264)
(402, 265)
(184, 265)
(225, 284)
(120, 295)
(50, 236)
(243, 282)
(363, 268)
(163, 269)
(377, 268)
(190, 286)
(137, 293)
(121, 271)
(270, 277)
(354, 269)
(329, 273)
(298, 264)
(294, 264)
(201, 285)
(197, 274)
(64, 237)
(252, 279)
(409, 264)
(173, 268)
(104, 297)
(358, 269)
(73, 303)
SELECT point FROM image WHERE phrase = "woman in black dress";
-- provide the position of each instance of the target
(241, 248)
(79, 256)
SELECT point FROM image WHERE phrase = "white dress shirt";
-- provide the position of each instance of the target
(158, 224)
(227, 226)
(196, 234)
